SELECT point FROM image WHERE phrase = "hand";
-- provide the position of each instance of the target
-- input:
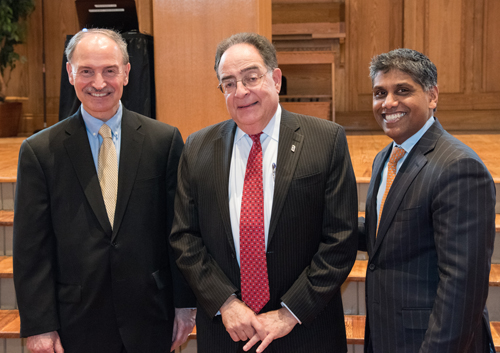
(277, 324)
(240, 321)
(184, 322)
(45, 343)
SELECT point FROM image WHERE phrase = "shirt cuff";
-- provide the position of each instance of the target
(291, 312)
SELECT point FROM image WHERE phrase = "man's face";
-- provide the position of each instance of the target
(98, 74)
(251, 108)
(400, 105)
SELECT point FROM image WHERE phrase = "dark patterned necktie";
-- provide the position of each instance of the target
(253, 265)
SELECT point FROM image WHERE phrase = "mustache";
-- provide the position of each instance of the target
(93, 90)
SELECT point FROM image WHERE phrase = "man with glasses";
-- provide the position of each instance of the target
(265, 227)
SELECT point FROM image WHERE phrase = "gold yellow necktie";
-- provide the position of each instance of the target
(396, 154)
(107, 171)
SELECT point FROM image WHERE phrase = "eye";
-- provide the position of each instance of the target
(403, 90)
(111, 72)
(252, 78)
(86, 73)
(228, 84)
(379, 94)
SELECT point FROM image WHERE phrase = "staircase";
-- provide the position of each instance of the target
(362, 148)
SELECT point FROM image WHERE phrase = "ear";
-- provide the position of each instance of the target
(277, 79)
(433, 97)
(127, 71)
(69, 69)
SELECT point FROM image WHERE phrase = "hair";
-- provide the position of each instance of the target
(418, 66)
(115, 36)
(261, 43)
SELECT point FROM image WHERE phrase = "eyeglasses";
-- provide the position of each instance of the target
(228, 86)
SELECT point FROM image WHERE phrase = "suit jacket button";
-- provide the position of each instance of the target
(371, 267)
(233, 255)
(114, 244)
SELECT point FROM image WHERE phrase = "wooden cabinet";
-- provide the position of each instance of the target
(308, 36)
(461, 37)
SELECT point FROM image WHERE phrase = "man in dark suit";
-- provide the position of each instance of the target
(305, 241)
(430, 235)
(93, 268)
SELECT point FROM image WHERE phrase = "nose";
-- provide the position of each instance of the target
(241, 89)
(98, 83)
(390, 101)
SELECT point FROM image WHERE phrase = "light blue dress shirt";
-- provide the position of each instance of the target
(407, 146)
(95, 140)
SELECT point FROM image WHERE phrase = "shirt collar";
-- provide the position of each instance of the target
(412, 141)
(272, 128)
(93, 124)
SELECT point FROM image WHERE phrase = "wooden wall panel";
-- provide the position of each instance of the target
(145, 15)
(443, 42)
(461, 38)
(373, 27)
(303, 80)
(491, 46)
(60, 20)
(305, 13)
(186, 35)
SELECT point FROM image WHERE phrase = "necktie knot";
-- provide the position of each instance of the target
(256, 138)
(396, 154)
(105, 131)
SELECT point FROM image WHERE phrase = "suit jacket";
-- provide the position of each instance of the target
(99, 288)
(312, 233)
(428, 269)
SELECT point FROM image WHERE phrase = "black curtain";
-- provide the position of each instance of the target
(138, 95)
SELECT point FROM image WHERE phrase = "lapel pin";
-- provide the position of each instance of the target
(293, 148)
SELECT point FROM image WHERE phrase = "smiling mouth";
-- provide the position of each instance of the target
(99, 94)
(247, 106)
(390, 118)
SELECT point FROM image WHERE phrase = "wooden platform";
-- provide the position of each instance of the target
(355, 330)
(6, 218)
(9, 152)
(363, 148)
(358, 273)
(10, 325)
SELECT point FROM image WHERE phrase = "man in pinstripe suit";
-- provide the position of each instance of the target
(309, 214)
(430, 237)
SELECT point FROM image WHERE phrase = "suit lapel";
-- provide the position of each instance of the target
(416, 160)
(289, 149)
(223, 149)
(78, 149)
(130, 155)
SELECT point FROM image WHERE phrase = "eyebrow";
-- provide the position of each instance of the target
(104, 68)
(255, 67)
(398, 85)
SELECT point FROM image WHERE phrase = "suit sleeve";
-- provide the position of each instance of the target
(463, 210)
(183, 295)
(34, 248)
(336, 254)
(208, 281)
